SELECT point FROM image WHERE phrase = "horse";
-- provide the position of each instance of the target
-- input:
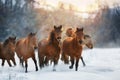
(87, 42)
(49, 49)
(73, 47)
(7, 49)
(25, 48)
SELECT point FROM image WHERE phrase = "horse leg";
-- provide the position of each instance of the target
(8, 61)
(76, 65)
(35, 62)
(65, 58)
(26, 66)
(13, 60)
(46, 61)
(21, 61)
(41, 61)
(3, 61)
(72, 62)
(55, 62)
(83, 61)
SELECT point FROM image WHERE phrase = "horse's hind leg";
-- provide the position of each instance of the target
(8, 61)
(83, 61)
(76, 65)
(3, 61)
(26, 66)
(13, 60)
(35, 62)
(21, 62)
(72, 62)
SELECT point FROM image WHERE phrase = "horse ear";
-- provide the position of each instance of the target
(77, 29)
(81, 29)
(30, 33)
(14, 38)
(55, 27)
(60, 26)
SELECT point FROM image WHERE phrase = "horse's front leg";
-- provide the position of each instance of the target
(46, 62)
(8, 61)
(83, 61)
(35, 62)
(76, 65)
(65, 58)
(3, 62)
(41, 61)
(56, 58)
(13, 60)
(72, 62)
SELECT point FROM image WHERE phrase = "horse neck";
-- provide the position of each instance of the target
(75, 42)
(52, 39)
(6, 48)
(27, 42)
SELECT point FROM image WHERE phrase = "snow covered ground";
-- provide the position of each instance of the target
(101, 64)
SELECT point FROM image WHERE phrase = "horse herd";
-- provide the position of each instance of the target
(49, 49)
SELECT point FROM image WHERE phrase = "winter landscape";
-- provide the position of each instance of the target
(100, 19)
(101, 64)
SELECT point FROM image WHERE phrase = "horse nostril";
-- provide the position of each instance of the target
(35, 47)
(91, 47)
(80, 41)
(58, 37)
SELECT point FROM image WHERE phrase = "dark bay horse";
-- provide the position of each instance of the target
(25, 48)
(49, 49)
(73, 47)
(70, 32)
(7, 50)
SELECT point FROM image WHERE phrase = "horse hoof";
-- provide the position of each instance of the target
(71, 67)
(84, 65)
(25, 71)
(36, 69)
(76, 69)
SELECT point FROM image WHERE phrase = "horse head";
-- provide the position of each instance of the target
(79, 35)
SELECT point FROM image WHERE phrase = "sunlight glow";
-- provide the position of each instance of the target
(76, 5)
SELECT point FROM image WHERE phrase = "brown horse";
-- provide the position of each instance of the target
(87, 42)
(73, 47)
(7, 50)
(49, 49)
(25, 49)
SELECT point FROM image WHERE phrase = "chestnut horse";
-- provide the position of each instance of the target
(49, 49)
(87, 42)
(7, 50)
(25, 48)
(73, 47)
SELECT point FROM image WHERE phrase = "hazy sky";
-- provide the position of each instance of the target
(81, 5)
(81, 2)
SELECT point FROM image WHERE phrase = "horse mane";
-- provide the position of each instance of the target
(52, 37)
(6, 42)
(87, 36)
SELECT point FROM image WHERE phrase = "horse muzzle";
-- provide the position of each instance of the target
(59, 39)
(80, 41)
(35, 47)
